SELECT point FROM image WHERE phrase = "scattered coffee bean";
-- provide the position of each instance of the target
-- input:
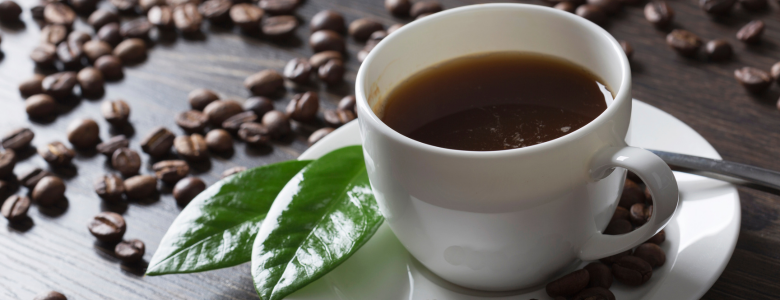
(595, 293)
(718, 50)
(617, 227)
(37, 10)
(754, 5)
(658, 238)
(751, 32)
(348, 103)
(216, 11)
(233, 170)
(609, 6)
(627, 49)
(187, 18)
(254, 134)
(171, 171)
(140, 186)
(44, 55)
(31, 86)
(640, 213)
(277, 123)
(130, 251)
(361, 29)
(115, 112)
(191, 147)
(319, 59)
(186, 189)
(107, 227)
(48, 191)
(316, 136)
(7, 162)
(91, 82)
(126, 161)
(110, 188)
(303, 107)
(363, 53)
(621, 214)
(775, 72)
(130, 50)
(219, 111)
(50, 295)
(568, 285)
(110, 66)
(233, 123)
(263, 83)
(247, 16)
(192, 120)
(600, 275)
(279, 26)
(332, 72)
(53, 34)
(278, 7)
(219, 140)
(566, 6)
(59, 13)
(161, 16)
(592, 13)
(425, 7)
(109, 33)
(158, 142)
(15, 208)
(326, 40)
(108, 147)
(94, 49)
(40, 106)
(18, 139)
(632, 271)
(327, 20)
(659, 13)
(298, 70)
(59, 85)
(717, 7)
(9, 11)
(83, 133)
(56, 154)
(138, 29)
(631, 194)
(259, 105)
(397, 26)
(124, 6)
(69, 56)
(199, 98)
(31, 178)
(651, 253)
(101, 17)
(752, 79)
(337, 118)
(399, 8)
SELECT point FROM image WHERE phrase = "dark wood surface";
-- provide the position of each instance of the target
(55, 250)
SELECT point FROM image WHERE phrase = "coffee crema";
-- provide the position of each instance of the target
(495, 101)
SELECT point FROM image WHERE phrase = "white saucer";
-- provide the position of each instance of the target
(700, 237)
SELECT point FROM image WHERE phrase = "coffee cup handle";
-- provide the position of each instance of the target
(661, 183)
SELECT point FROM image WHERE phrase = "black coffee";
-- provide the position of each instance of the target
(496, 101)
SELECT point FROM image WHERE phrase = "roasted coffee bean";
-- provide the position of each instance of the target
(640, 213)
(48, 191)
(161, 16)
(192, 120)
(363, 53)
(7, 162)
(186, 189)
(31, 86)
(126, 161)
(752, 79)
(158, 142)
(377, 36)
(58, 13)
(110, 66)
(621, 214)
(199, 98)
(566, 6)
(399, 8)
(138, 29)
(31, 178)
(125, 6)
(191, 147)
(78, 38)
(50, 295)
(278, 7)
(595, 293)
(37, 10)
(751, 32)
(177, 3)
(397, 26)
(110, 187)
(659, 13)
(425, 7)
(658, 238)
(632, 271)
(9, 11)
(140, 187)
(259, 105)
(277, 123)
(247, 16)
(18, 139)
(130, 50)
(83, 133)
(332, 72)
(15, 208)
(83, 6)
(775, 72)
(70, 57)
(651, 253)
(592, 13)
(263, 83)
(44, 55)
(568, 285)
(319, 59)
(754, 5)
(53, 34)
(279, 26)
(109, 33)
(187, 18)
(600, 275)
(216, 11)
(631, 194)
(130, 251)
(95, 49)
(101, 17)
(233, 170)
(326, 40)
(609, 6)
(718, 50)
(56, 154)
(361, 29)
(627, 49)
(115, 112)
(171, 171)
(254, 134)
(337, 118)
(59, 85)
(107, 148)
(348, 103)
(91, 82)
(327, 20)
(303, 107)
(219, 111)
(219, 140)
(717, 7)
(617, 227)
(233, 123)
(316, 136)
(107, 227)
(40, 106)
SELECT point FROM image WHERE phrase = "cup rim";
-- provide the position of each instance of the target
(367, 114)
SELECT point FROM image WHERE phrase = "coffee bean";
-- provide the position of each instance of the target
(332, 72)
(31, 86)
(219, 140)
(319, 59)
(718, 50)
(632, 271)
(303, 107)
(115, 112)
(361, 29)
(171, 171)
(83, 133)
(651, 253)
(754, 5)
(263, 83)
(107, 227)
(138, 28)
(592, 13)
(95, 49)
(620, 214)
(279, 26)
(56, 154)
(53, 34)
(31, 178)
(44, 55)
(717, 7)
(58, 13)
(110, 66)
(37, 10)
(219, 111)
(216, 11)
(161, 16)
(70, 57)
(260, 105)
(101, 17)
(752, 79)
(107, 148)
(425, 7)
(126, 161)
(18, 139)
(109, 187)
(192, 120)
(775, 72)
(7, 162)
(568, 285)
(317, 135)
(659, 13)
(397, 26)
(48, 191)
(376, 37)
(158, 142)
(326, 40)
(609, 6)
(595, 293)
(233, 123)
(233, 170)
(83, 6)
(751, 32)
(124, 6)
(91, 82)
(15, 208)
(110, 34)
(50, 295)
(337, 118)
(177, 3)
(278, 7)
(600, 275)
(186, 189)
(566, 6)
(130, 50)
(254, 134)
(277, 123)
(192, 147)
(246, 16)
(348, 103)
(40, 106)
(399, 8)
(9, 11)
(363, 53)
(59, 85)
(187, 18)
(617, 227)
(199, 98)
(327, 20)
(631, 194)
(640, 213)
(130, 251)
(658, 238)
(140, 186)
(627, 49)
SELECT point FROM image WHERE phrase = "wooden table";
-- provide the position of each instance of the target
(57, 252)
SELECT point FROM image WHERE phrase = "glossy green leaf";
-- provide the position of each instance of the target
(320, 218)
(217, 228)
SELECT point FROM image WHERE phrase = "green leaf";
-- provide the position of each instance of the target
(320, 218)
(217, 228)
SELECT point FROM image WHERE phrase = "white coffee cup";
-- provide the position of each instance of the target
(511, 219)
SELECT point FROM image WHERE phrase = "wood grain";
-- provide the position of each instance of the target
(55, 251)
